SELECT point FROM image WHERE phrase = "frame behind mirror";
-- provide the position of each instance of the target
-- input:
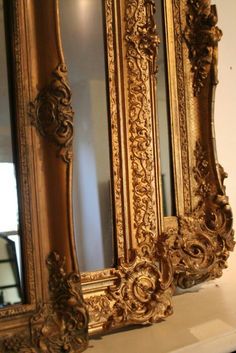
(154, 253)
(53, 316)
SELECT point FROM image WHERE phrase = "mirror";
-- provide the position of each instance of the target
(192, 241)
(10, 241)
(83, 37)
(50, 316)
(163, 116)
(110, 47)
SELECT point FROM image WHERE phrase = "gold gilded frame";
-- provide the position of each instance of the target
(155, 253)
(139, 288)
(200, 243)
(53, 317)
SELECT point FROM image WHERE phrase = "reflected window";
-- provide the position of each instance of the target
(10, 244)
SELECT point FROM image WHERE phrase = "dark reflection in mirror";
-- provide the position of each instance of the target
(163, 116)
(82, 31)
(10, 249)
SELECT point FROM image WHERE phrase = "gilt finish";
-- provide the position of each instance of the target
(201, 242)
(195, 244)
(139, 289)
(152, 253)
(52, 114)
(201, 247)
(58, 326)
(202, 37)
(53, 317)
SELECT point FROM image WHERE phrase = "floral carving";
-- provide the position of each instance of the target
(141, 32)
(142, 283)
(138, 19)
(141, 293)
(205, 237)
(181, 85)
(17, 344)
(52, 114)
(115, 135)
(59, 326)
(202, 37)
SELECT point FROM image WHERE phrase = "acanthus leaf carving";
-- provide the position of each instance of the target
(178, 38)
(205, 237)
(139, 16)
(59, 326)
(141, 32)
(142, 291)
(52, 114)
(202, 37)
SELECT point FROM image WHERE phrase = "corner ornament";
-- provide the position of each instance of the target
(200, 249)
(142, 292)
(202, 37)
(51, 113)
(60, 326)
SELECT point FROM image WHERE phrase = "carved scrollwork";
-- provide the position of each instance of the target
(202, 245)
(142, 284)
(142, 292)
(141, 31)
(139, 16)
(52, 114)
(59, 326)
(202, 37)
(181, 85)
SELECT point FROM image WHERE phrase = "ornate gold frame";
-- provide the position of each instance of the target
(53, 317)
(200, 244)
(154, 252)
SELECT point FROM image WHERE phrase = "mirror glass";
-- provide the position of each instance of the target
(163, 116)
(82, 33)
(10, 249)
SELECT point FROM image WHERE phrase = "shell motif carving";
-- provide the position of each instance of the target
(52, 114)
(60, 326)
(142, 293)
(146, 296)
(202, 37)
(201, 247)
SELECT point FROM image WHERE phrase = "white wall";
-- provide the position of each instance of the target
(225, 108)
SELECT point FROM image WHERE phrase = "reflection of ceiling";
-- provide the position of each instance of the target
(82, 37)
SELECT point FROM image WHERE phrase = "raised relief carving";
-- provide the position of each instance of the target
(58, 326)
(202, 37)
(142, 284)
(140, 124)
(116, 154)
(181, 85)
(52, 114)
(201, 247)
(142, 292)
(142, 36)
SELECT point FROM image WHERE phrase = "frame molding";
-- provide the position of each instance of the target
(139, 289)
(156, 253)
(53, 317)
(201, 242)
